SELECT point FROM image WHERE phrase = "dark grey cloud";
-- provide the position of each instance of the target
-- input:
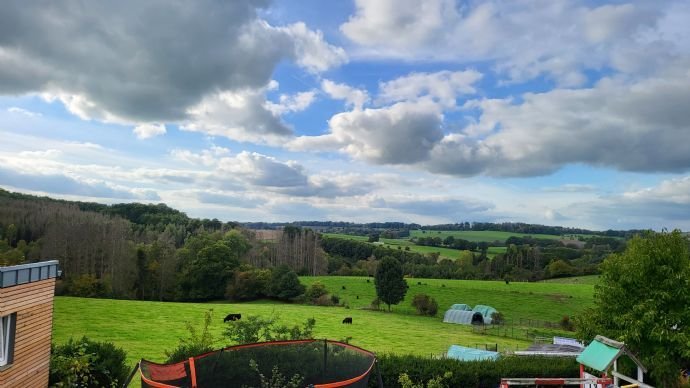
(147, 61)
(62, 184)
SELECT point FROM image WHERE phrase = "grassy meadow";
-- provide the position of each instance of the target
(478, 235)
(589, 279)
(517, 300)
(147, 329)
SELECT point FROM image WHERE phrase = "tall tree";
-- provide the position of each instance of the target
(643, 299)
(391, 286)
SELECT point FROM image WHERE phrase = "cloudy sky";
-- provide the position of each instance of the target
(571, 113)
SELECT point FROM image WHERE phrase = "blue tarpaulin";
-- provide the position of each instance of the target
(463, 353)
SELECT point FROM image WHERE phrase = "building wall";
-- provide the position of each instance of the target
(33, 303)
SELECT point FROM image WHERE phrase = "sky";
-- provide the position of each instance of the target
(557, 112)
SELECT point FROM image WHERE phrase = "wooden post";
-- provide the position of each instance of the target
(615, 369)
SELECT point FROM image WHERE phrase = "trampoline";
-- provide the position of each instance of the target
(320, 364)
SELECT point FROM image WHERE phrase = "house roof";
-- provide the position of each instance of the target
(27, 273)
(463, 353)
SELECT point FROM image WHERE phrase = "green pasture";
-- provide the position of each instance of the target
(540, 301)
(147, 329)
(589, 279)
(477, 235)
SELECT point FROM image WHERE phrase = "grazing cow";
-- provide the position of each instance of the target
(419, 283)
(232, 317)
(368, 281)
(343, 287)
(507, 281)
(347, 320)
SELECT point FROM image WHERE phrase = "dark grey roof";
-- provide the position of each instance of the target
(28, 273)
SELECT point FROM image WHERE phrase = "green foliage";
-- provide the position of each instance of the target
(643, 299)
(198, 341)
(277, 380)
(455, 373)
(315, 291)
(566, 323)
(87, 286)
(390, 284)
(255, 328)
(86, 363)
(249, 285)
(285, 284)
(206, 276)
(436, 382)
(425, 305)
(497, 318)
(560, 268)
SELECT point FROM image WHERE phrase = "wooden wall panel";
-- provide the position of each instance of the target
(33, 303)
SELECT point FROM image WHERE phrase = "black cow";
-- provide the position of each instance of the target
(347, 320)
(233, 317)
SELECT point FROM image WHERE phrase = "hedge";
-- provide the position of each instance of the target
(471, 373)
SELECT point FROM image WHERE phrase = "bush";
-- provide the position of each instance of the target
(567, 324)
(248, 285)
(285, 284)
(425, 305)
(197, 343)
(482, 374)
(316, 290)
(86, 286)
(497, 318)
(375, 304)
(323, 300)
(335, 299)
(258, 329)
(87, 363)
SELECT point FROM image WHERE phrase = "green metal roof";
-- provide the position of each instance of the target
(598, 355)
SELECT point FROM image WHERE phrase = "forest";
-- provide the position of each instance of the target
(154, 252)
(142, 251)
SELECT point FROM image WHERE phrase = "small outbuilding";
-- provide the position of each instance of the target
(461, 306)
(463, 317)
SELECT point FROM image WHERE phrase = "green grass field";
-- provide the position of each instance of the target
(147, 329)
(590, 279)
(542, 301)
(477, 235)
(452, 254)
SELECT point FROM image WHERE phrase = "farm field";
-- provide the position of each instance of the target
(478, 235)
(147, 329)
(452, 254)
(518, 300)
(589, 279)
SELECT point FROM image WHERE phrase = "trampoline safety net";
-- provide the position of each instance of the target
(320, 363)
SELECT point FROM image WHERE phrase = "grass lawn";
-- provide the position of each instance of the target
(395, 243)
(543, 301)
(147, 329)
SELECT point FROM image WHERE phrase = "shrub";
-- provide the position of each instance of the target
(277, 380)
(437, 382)
(316, 290)
(376, 304)
(87, 286)
(285, 284)
(87, 363)
(248, 285)
(258, 329)
(471, 373)
(497, 318)
(567, 324)
(323, 300)
(335, 299)
(198, 342)
(425, 305)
